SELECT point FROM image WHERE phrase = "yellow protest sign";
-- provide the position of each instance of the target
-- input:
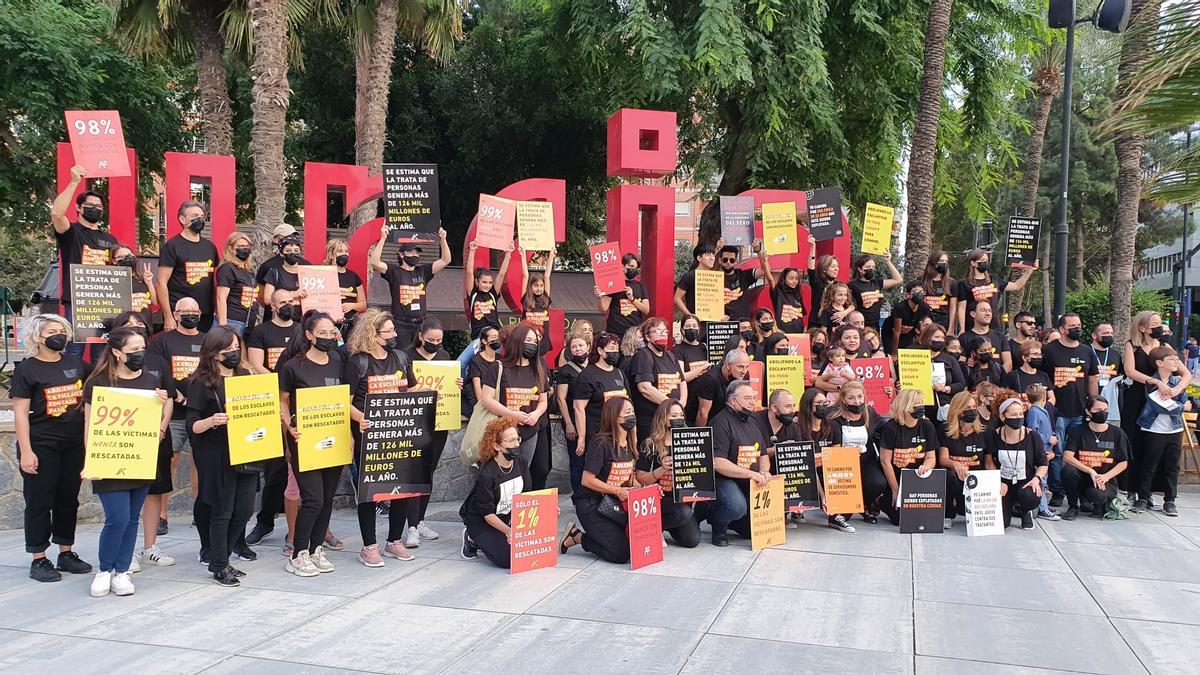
(252, 403)
(877, 229)
(441, 376)
(710, 295)
(767, 526)
(916, 373)
(323, 420)
(123, 434)
(779, 228)
(786, 372)
(535, 226)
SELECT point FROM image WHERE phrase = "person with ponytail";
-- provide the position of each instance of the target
(487, 511)
(350, 285)
(867, 285)
(521, 394)
(938, 290)
(654, 466)
(535, 297)
(790, 309)
(607, 471)
(962, 449)
(598, 382)
(482, 302)
(978, 286)
(859, 424)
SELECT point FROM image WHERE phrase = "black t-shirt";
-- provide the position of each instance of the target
(977, 374)
(790, 311)
(494, 490)
(622, 315)
(868, 298)
(909, 319)
(240, 283)
(141, 299)
(825, 318)
(738, 439)
(81, 245)
(272, 339)
(660, 370)
(1018, 380)
(483, 369)
(145, 380)
(974, 291)
(599, 461)
(1108, 364)
(567, 374)
(596, 386)
(908, 444)
(857, 433)
(1069, 369)
(1017, 461)
(966, 450)
(938, 302)
(408, 291)
(687, 282)
(301, 373)
(711, 387)
(483, 311)
(737, 283)
(969, 340)
(690, 355)
(368, 375)
(260, 277)
(348, 284)
(55, 393)
(181, 353)
(1100, 451)
(520, 388)
(192, 264)
(281, 278)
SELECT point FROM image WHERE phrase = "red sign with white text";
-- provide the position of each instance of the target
(756, 376)
(876, 376)
(495, 222)
(534, 540)
(606, 267)
(645, 526)
(97, 142)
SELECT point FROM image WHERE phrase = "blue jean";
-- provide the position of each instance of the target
(576, 468)
(239, 326)
(731, 505)
(464, 358)
(122, 512)
(1061, 428)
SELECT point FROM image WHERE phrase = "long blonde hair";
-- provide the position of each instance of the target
(658, 441)
(229, 253)
(902, 407)
(1140, 320)
(366, 329)
(963, 400)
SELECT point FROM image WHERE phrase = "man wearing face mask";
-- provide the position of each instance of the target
(628, 307)
(711, 387)
(777, 421)
(738, 281)
(180, 349)
(907, 316)
(1073, 369)
(408, 280)
(274, 262)
(185, 266)
(1108, 360)
(739, 456)
(81, 242)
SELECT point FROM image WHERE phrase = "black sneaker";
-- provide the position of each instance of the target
(720, 540)
(1085, 506)
(68, 561)
(1139, 506)
(839, 522)
(1056, 500)
(41, 570)
(244, 553)
(1027, 520)
(203, 558)
(162, 527)
(257, 534)
(1170, 510)
(226, 578)
(235, 571)
(469, 550)
(1070, 514)
(1151, 505)
(870, 518)
(1098, 514)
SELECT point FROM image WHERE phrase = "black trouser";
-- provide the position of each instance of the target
(317, 488)
(1079, 484)
(491, 541)
(406, 331)
(1021, 497)
(202, 514)
(539, 467)
(274, 484)
(874, 483)
(227, 524)
(956, 504)
(366, 522)
(602, 537)
(887, 501)
(52, 494)
(1160, 456)
(416, 507)
(680, 522)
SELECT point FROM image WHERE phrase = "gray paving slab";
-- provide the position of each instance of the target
(1189, 531)
(703, 562)
(542, 644)
(1015, 549)
(1168, 601)
(825, 571)
(638, 599)
(239, 665)
(474, 584)
(1162, 647)
(1141, 532)
(723, 653)
(876, 541)
(930, 665)
(1145, 563)
(23, 652)
(1004, 587)
(1022, 638)
(66, 607)
(818, 618)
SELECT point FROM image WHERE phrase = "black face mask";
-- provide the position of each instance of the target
(242, 253)
(937, 345)
(1035, 363)
(431, 347)
(56, 343)
(785, 420)
(749, 336)
(940, 268)
(577, 359)
(291, 258)
(822, 412)
(189, 321)
(135, 361)
(1098, 417)
(495, 346)
(1014, 423)
(982, 267)
(128, 261)
(983, 357)
(969, 416)
(853, 409)
(817, 347)
(918, 298)
(918, 412)
(691, 334)
(511, 454)
(630, 273)
(341, 260)
(231, 360)
(1106, 341)
(782, 351)
(389, 343)
(766, 326)
(677, 424)
(286, 312)
(1074, 333)
(1157, 332)
(869, 274)
(325, 344)
(196, 225)
(612, 358)
(628, 423)
(411, 260)
(529, 351)
(92, 214)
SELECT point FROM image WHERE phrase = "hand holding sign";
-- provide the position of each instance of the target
(606, 267)
(97, 142)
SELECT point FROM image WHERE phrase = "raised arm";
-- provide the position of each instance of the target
(503, 272)
(375, 257)
(1017, 285)
(469, 268)
(896, 278)
(62, 202)
(549, 269)
(441, 262)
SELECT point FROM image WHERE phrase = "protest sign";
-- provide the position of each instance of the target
(324, 292)
(779, 228)
(786, 372)
(916, 372)
(692, 473)
(1023, 237)
(535, 225)
(877, 229)
(796, 462)
(876, 377)
(410, 197)
(534, 542)
(252, 403)
(767, 525)
(607, 268)
(841, 468)
(393, 446)
(737, 220)
(823, 215)
(323, 423)
(123, 434)
(716, 337)
(98, 292)
(710, 295)
(494, 222)
(97, 142)
(645, 526)
(922, 502)
(441, 377)
(981, 494)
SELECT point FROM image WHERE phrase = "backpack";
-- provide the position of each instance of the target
(468, 449)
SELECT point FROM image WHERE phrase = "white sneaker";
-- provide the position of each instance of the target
(101, 584)
(412, 538)
(122, 584)
(426, 532)
(320, 562)
(302, 565)
(134, 565)
(155, 556)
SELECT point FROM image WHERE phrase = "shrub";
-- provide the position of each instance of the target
(1091, 302)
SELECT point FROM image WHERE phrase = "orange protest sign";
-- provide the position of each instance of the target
(534, 542)
(843, 480)
(97, 142)
(767, 525)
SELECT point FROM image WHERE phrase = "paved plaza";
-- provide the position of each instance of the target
(1087, 596)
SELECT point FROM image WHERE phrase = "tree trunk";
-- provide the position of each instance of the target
(924, 140)
(1128, 144)
(733, 179)
(1032, 175)
(371, 101)
(216, 110)
(269, 105)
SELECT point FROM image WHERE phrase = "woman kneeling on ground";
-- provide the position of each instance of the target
(654, 466)
(487, 511)
(607, 470)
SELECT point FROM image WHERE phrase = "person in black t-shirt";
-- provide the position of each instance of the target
(739, 456)
(145, 295)
(1029, 358)
(948, 378)
(907, 316)
(704, 257)
(607, 471)
(654, 374)
(962, 449)
(81, 242)
(47, 394)
(984, 369)
(535, 297)
(867, 286)
(1072, 367)
(564, 385)
(709, 391)
(978, 286)
(598, 382)
(691, 353)
(287, 274)
(787, 301)
(408, 280)
(487, 511)
(1019, 454)
(860, 425)
(628, 307)
(738, 281)
(482, 301)
(940, 290)
(186, 264)
(654, 467)
(269, 340)
(521, 394)
(350, 286)
(980, 321)
(1096, 454)
(273, 263)
(907, 441)
(1025, 331)
(481, 368)
(236, 289)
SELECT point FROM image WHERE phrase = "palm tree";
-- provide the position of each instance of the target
(924, 139)
(269, 103)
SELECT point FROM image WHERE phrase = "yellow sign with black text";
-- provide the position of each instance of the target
(442, 377)
(255, 431)
(124, 428)
(323, 423)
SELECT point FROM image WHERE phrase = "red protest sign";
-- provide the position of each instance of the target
(800, 345)
(324, 293)
(645, 526)
(97, 142)
(534, 540)
(756, 375)
(495, 222)
(876, 376)
(606, 267)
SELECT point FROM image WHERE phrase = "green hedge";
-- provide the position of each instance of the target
(1091, 302)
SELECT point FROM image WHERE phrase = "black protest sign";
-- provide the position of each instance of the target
(716, 336)
(390, 456)
(410, 195)
(923, 502)
(795, 461)
(692, 473)
(737, 220)
(823, 214)
(1023, 237)
(98, 292)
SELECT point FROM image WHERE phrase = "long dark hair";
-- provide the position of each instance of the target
(931, 272)
(218, 340)
(805, 417)
(529, 301)
(309, 324)
(513, 346)
(105, 372)
(610, 421)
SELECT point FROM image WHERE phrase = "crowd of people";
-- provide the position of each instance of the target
(1075, 423)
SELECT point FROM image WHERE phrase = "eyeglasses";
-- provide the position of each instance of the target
(1028, 323)
(729, 260)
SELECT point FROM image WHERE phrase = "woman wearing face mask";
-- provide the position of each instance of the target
(564, 384)
(122, 365)
(962, 449)
(954, 348)
(836, 305)
(859, 424)
(1146, 333)
(1029, 372)
(626, 307)
(818, 341)
(978, 286)
(1018, 453)
(691, 353)
(145, 294)
(654, 374)
(481, 368)
(867, 286)
(777, 344)
(47, 399)
(581, 329)
(764, 325)
(598, 382)
(185, 266)
(376, 366)
(487, 511)
(318, 365)
(985, 369)
(821, 274)
(631, 343)
(521, 395)
(607, 470)
(749, 340)
(938, 289)
(786, 299)
(483, 301)
(350, 285)
(985, 397)
(907, 441)
(948, 377)
(226, 492)
(814, 416)
(287, 275)
(535, 298)
(235, 283)
(654, 466)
